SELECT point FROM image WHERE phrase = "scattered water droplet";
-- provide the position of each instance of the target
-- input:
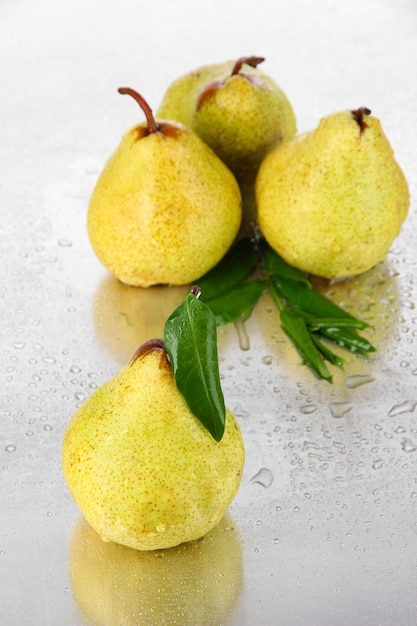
(339, 409)
(49, 359)
(239, 411)
(19, 345)
(10, 448)
(405, 407)
(267, 360)
(407, 445)
(377, 464)
(64, 243)
(264, 477)
(308, 409)
(352, 382)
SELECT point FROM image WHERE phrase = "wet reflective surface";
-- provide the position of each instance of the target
(324, 527)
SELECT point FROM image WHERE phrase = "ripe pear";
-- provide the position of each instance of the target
(142, 468)
(332, 200)
(165, 209)
(239, 111)
(194, 583)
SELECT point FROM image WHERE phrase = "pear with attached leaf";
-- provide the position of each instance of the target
(239, 111)
(142, 468)
(165, 208)
(331, 201)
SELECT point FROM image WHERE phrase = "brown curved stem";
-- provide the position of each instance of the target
(152, 125)
(252, 61)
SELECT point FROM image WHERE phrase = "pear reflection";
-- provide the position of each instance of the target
(125, 317)
(195, 583)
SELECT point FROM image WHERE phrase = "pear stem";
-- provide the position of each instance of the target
(252, 61)
(152, 125)
(359, 116)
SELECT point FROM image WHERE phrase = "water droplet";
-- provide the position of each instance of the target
(10, 448)
(239, 411)
(407, 445)
(352, 382)
(339, 409)
(276, 540)
(405, 407)
(19, 345)
(64, 243)
(243, 336)
(49, 359)
(377, 464)
(267, 360)
(264, 477)
(308, 409)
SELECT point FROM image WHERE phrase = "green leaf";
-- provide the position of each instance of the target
(317, 323)
(190, 337)
(273, 265)
(297, 300)
(295, 327)
(235, 267)
(238, 303)
(310, 300)
(328, 354)
(348, 339)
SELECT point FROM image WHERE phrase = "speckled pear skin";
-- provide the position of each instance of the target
(141, 467)
(164, 210)
(241, 120)
(331, 201)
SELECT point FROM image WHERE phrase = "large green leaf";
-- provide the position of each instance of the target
(190, 337)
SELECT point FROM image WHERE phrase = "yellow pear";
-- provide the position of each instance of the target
(141, 467)
(194, 583)
(331, 201)
(239, 111)
(165, 208)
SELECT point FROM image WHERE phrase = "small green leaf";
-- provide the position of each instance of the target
(348, 339)
(317, 323)
(190, 337)
(235, 267)
(295, 327)
(310, 300)
(238, 303)
(328, 354)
